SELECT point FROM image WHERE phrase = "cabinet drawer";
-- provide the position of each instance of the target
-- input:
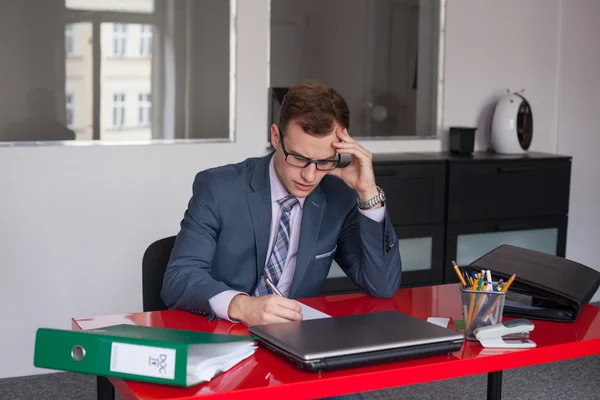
(415, 192)
(508, 189)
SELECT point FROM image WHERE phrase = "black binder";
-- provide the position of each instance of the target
(546, 287)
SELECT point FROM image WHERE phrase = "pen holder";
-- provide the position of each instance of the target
(481, 308)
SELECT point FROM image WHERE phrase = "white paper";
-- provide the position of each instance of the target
(206, 360)
(443, 322)
(142, 360)
(311, 313)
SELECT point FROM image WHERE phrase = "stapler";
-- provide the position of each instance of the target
(491, 336)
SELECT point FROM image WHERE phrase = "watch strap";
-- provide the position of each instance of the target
(372, 202)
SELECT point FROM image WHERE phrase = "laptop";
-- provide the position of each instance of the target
(329, 344)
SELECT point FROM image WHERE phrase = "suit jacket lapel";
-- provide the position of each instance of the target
(309, 232)
(259, 205)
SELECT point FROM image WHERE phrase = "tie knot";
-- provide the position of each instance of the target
(287, 203)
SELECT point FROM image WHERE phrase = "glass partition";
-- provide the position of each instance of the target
(118, 71)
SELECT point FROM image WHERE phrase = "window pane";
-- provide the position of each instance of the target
(125, 84)
(416, 253)
(78, 68)
(143, 6)
(380, 55)
(191, 58)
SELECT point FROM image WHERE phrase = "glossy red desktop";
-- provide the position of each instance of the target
(265, 375)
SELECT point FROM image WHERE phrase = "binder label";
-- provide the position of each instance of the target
(151, 361)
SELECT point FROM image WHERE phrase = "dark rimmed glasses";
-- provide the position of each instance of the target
(303, 162)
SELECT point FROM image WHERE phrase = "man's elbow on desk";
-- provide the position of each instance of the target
(384, 288)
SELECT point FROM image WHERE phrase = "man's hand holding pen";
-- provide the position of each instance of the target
(268, 309)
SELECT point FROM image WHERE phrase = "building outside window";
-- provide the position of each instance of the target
(70, 108)
(146, 41)
(119, 108)
(69, 40)
(120, 36)
(144, 109)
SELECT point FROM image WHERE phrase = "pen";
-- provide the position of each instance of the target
(462, 280)
(467, 278)
(277, 292)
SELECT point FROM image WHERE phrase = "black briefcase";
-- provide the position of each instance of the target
(546, 287)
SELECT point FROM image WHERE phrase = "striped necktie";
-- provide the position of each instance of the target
(278, 256)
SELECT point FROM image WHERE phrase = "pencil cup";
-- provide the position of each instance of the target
(481, 308)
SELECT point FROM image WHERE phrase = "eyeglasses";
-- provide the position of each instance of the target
(303, 162)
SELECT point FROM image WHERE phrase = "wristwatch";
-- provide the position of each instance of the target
(365, 205)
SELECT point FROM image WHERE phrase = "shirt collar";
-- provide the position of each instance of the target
(278, 192)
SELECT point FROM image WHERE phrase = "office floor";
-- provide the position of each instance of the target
(579, 378)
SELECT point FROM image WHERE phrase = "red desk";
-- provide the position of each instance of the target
(265, 375)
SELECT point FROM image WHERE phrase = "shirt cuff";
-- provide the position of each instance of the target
(220, 303)
(376, 215)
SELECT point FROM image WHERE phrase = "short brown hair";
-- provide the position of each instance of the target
(315, 107)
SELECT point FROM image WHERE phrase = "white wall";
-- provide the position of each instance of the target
(578, 133)
(493, 45)
(76, 220)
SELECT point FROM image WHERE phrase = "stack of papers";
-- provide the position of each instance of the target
(206, 361)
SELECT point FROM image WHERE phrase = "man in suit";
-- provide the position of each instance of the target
(283, 219)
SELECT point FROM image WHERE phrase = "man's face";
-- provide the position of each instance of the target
(300, 182)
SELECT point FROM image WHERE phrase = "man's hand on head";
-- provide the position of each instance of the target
(359, 174)
(261, 310)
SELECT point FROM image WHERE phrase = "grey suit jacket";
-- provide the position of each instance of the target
(224, 235)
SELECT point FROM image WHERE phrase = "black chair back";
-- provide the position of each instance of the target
(154, 263)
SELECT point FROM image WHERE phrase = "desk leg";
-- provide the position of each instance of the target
(494, 385)
(104, 389)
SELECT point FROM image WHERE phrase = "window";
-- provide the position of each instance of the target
(144, 109)
(120, 34)
(69, 40)
(146, 41)
(122, 58)
(70, 108)
(390, 54)
(118, 110)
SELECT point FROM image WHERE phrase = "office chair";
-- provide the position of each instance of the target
(154, 264)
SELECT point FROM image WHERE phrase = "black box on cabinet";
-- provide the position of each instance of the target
(462, 139)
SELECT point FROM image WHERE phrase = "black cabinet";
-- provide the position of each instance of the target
(496, 199)
(498, 189)
(447, 207)
(416, 191)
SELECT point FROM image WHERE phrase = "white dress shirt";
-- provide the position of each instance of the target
(220, 302)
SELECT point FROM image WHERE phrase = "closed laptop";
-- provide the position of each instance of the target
(356, 340)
